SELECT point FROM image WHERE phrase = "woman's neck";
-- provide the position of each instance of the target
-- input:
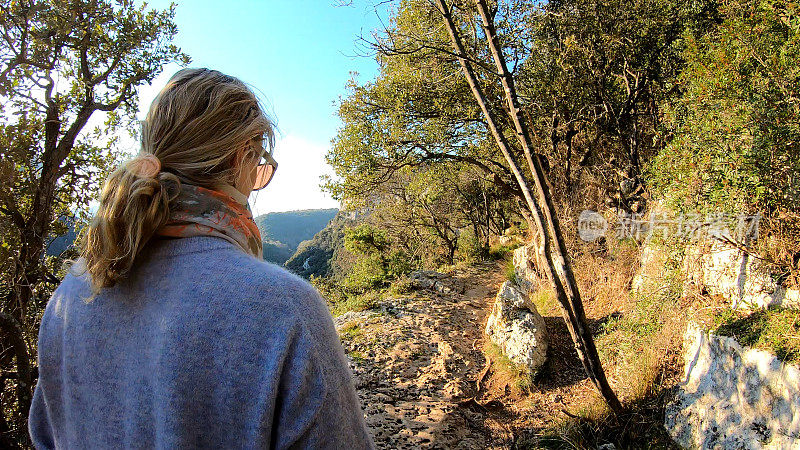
(233, 192)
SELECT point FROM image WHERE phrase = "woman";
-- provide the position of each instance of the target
(171, 331)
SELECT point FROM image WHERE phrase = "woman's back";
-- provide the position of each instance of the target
(201, 346)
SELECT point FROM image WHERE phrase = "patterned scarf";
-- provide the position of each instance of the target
(198, 211)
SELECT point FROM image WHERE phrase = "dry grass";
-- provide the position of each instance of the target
(638, 336)
(517, 376)
(604, 277)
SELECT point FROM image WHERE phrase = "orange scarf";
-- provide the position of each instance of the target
(198, 211)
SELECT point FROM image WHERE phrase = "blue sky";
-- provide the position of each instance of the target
(299, 55)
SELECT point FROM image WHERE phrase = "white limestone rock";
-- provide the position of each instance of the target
(517, 328)
(729, 272)
(652, 276)
(733, 397)
(429, 279)
(525, 270)
(353, 316)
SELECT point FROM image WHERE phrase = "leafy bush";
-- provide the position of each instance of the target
(367, 273)
(734, 134)
(377, 270)
(470, 248)
(737, 125)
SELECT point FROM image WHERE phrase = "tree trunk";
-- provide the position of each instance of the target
(557, 265)
(12, 332)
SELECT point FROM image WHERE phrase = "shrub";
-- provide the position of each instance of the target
(368, 272)
(470, 249)
(734, 134)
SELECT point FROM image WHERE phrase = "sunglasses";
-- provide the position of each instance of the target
(266, 168)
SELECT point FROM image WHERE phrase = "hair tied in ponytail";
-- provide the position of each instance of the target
(144, 165)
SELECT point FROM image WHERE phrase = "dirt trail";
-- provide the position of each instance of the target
(416, 362)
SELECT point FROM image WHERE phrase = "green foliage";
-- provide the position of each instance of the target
(521, 376)
(497, 252)
(776, 330)
(367, 273)
(398, 264)
(545, 302)
(350, 331)
(400, 287)
(340, 299)
(377, 269)
(329, 288)
(377, 263)
(737, 125)
(366, 240)
(358, 302)
(357, 355)
(322, 254)
(413, 148)
(470, 248)
(276, 252)
(598, 85)
(510, 271)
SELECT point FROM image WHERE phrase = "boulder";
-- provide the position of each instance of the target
(504, 240)
(517, 328)
(733, 397)
(429, 279)
(430, 274)
(525, 271)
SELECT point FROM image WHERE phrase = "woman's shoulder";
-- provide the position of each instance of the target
(266, 292)
(230, 273)
(214, 260)
(245, 271)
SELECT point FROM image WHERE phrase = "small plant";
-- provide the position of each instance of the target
(357, 302)
(522, 377)
(470, 249)
(357, 355)
(544, 301)
(401, 286)
(351, 330)
(776, 330)
(510, 271)
(504, 251)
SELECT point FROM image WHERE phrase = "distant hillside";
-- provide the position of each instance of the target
(314, 256)
(282, 232)
(60, 244)
(293, 227)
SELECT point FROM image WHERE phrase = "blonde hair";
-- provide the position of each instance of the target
(195, 127)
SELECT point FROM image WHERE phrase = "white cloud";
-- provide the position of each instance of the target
(296, 183)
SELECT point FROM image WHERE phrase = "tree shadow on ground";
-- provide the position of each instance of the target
(563, 367)
(640, 426)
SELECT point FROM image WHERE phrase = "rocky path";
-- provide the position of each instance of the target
(416, 362)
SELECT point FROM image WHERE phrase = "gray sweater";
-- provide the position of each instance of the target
(202, 347)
